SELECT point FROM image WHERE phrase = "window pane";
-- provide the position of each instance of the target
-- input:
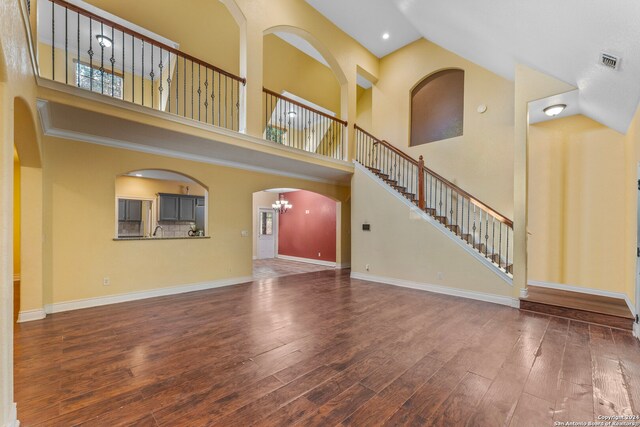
(266, 223)
(93, 79)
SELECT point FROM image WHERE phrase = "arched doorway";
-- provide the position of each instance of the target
(294, 231)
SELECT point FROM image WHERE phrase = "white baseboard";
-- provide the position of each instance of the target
(589, 291)
(481, 296)
(344, 265)
(31, 315)
(13, 417)
(138, 295)
(307, 260)
(636, 330)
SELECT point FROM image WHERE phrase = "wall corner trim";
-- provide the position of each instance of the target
(31, 315)
(446, 290)
(59, 307)
(307, 260)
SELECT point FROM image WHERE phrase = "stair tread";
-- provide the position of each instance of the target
(579, 301)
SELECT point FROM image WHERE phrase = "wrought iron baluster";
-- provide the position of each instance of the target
(160, 88)
(53, 41)
(169, 71)
(78, 53)
(102, 59)
(142, 69)
(66, 45)
(199, 91)
(206, 94)
(113, 62)
(90, 52)
(152, 75)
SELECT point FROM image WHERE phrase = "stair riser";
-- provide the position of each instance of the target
(575, 314)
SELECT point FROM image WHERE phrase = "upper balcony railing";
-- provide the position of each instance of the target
(82, 49)
(294, 124)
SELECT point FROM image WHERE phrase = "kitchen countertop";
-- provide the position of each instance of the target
(163, 238)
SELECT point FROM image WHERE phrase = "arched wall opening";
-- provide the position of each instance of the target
(306, 231)
(158, 203)
(305, 90)
(28, 214)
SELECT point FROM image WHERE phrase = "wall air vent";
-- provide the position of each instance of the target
(609, 60)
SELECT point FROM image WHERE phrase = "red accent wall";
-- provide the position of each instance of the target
(304, 234)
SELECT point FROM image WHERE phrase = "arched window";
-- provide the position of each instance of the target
(437, 107)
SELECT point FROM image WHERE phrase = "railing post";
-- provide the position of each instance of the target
(421, 195)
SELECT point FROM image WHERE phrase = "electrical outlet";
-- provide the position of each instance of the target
(440, 275)
(366, 267)
(244, 233)
(106, 281)
(319, 254)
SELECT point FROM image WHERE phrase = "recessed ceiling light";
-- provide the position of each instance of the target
(104, 41)
(385, 36)
(554, 110)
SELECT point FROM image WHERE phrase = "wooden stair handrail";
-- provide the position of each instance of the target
(306, 107)
(503, 219)
(149, 40)
(388, 145)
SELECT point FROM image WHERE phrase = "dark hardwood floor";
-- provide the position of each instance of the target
(319, 349)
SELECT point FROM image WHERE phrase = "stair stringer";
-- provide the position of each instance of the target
(409, 246)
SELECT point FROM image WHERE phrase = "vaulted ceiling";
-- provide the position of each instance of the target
(563, 39)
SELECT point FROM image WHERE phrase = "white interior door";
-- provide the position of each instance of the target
(266, 233)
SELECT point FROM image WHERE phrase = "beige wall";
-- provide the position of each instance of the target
(402, 245)
(576, 202)
(80, 251)
(287, 68)
(364, 117)
(481, 160)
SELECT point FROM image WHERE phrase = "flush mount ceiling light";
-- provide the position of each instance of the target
(104, 41)
(554, 110)
(292, 114)
(385, 36)
(138, 174)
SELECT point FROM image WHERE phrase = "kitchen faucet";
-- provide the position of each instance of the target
(156, 230)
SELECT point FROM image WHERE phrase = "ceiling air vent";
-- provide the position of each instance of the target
(609, 61)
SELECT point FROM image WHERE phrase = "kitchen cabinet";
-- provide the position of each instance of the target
(177, 207)
(129, 210)
(169, 210)
(187, 209)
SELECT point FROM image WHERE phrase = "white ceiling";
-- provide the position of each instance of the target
(367, 20)
(560, 38)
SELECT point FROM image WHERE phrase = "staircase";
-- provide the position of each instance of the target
(467, 218)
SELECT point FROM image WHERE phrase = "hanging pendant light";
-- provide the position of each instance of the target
(281, 205)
